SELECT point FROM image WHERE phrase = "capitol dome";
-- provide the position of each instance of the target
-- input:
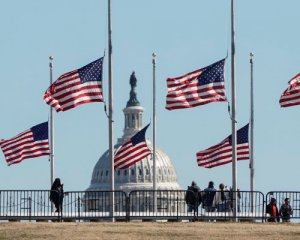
(140, 175)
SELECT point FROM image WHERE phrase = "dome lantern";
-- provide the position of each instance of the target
(133, 113)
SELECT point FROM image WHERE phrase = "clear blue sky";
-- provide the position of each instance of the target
(186, 35)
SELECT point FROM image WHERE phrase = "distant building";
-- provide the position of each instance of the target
(140, 175)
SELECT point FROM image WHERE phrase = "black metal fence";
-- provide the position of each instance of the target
(157, 205)
(170, 205)
(93, 205)
(26, 205)
(280, 196)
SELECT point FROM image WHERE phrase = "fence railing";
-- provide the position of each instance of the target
(26, 205)
(280, 196)
(143, 205)
(173, 205)
(94, 205)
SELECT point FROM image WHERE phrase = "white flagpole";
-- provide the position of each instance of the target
(233, 120)
(251, 130)
(154, 133)
(51, 129)
(110, 120)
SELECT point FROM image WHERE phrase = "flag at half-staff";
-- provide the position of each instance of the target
(197, 88)
(221, 153)
(291, 96)
(28, 144)
(132, 151)
(83, 85)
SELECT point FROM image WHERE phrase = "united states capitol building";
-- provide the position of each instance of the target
(140, 175)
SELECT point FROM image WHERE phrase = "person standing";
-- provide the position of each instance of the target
(272, 210)
(208, 197)
(193, 198)
(286, 211)
(221, 200)
(57, 194)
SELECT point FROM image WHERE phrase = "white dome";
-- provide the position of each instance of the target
(140, 175)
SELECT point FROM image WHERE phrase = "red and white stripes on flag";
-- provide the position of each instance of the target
(291, 96)
(28, 144)
(197, 88)
(77, 87)
(134, 150)
(221, 153)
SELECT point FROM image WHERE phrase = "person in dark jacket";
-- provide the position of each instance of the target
(193, 197)
(208, 197)
(286, 211)
(272, 210)
(57, 194)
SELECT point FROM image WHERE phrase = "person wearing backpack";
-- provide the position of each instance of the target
(193, 197)
(221, 200)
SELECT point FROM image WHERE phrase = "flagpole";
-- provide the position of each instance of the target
(51, 128)
(233, 120)
(251, 130)
(154, 132)
(110, 120)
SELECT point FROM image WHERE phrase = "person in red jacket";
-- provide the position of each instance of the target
(272, 210)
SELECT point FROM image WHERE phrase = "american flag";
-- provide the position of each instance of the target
(83, 85)
(134, 150)
(29, 144)
(291, 96)
(221, 153)
(197, 88)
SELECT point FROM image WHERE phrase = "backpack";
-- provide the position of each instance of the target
(193, 195)
(208, 198)
(189, 196)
